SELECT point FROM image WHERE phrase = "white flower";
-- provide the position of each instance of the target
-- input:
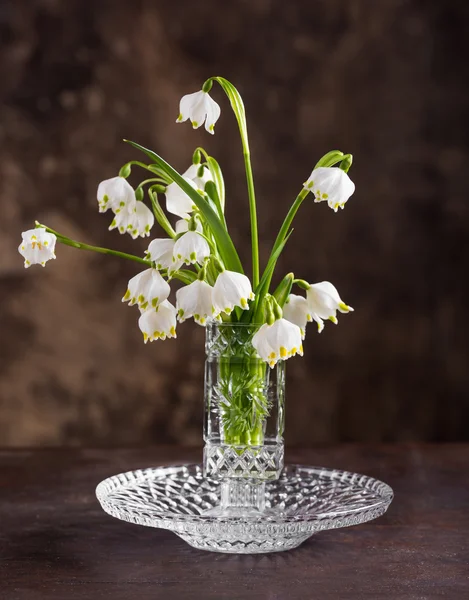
(37, 247)
(231, 289)
(331, 184)
(158, 323)
(278, 341)
(193, 174)
(195, 300)
(190, 248)
(134, 218)
(183, 225)
(199, 107)
(160, 251)
(324, 302)
(114, 193)
(297, 311)
(177, 201)
(148, 288)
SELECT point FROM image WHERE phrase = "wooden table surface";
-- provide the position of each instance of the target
(57, 543)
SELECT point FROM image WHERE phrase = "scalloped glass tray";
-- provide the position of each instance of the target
(303, 501)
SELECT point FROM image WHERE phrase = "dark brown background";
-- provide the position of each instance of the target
(384, 80)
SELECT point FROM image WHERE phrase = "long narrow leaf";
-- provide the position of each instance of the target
(218, 178)
(224, 242)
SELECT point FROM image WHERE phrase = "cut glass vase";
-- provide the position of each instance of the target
(244, 419)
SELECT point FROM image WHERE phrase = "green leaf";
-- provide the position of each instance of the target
(330, 159)
(224, 242)
(283, 289)
(218, 178)
(211, 190)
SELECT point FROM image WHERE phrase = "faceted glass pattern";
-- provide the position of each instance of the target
(244, 406)
(302, 501)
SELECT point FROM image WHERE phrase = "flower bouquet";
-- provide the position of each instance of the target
(252, 328)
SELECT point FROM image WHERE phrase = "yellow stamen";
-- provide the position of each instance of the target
(283, 351)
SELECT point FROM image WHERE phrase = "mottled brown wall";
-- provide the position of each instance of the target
(384, 80)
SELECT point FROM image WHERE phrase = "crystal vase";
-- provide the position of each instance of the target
(244, 419)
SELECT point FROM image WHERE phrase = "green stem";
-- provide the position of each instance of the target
(68, 242)
(238, 109)
(285, 228)
(152, 168)
(153, 179)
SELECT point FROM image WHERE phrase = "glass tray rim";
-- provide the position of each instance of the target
(316, 520)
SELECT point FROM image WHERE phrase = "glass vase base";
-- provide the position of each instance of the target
(303, 501)
(230, 461)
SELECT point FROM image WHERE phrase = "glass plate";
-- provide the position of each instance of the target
(303, 501)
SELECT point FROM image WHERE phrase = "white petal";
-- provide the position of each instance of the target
(147, 289)
(297, 311)
(324, 301)
(159, 323)
(330, 184)
(277, 342)
(177, 201)
(160, 251)
(187, 105)
(192, 173)
(231, 289)
(143, 221)
(114, 193)
(212, 110)
(37, 246)
(195, 300)
(191, 247)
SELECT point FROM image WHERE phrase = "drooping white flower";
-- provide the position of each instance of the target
(183, 225)
(199, 107)
(278, 341)
(231, 289)
(114, 193)
(160, 251)
(330, 184)
(147, 289)
(159, 323)
(37, 247)
(195, 300)
(200, 180)
(134, 218)
(297, 311)
(190, 248)
(177, 201)
(324, 302)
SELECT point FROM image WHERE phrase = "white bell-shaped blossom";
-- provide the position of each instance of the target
(190, 248)
(330, 184)
(177, 201)
(160, 251)
(297, 311)
(324, 302)
(199, 108)
(278, 341)
(135, 218)
(147, 289)
(231, 289)
(37, 247)
(199, 179)
(115, 193)
(159, 323)
(195, 300)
